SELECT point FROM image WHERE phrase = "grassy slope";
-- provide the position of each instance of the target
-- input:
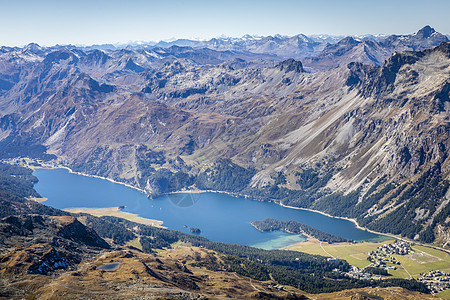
(444, 294)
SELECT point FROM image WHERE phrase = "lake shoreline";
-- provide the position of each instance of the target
(343, 218)
(117, 212)
(286, 206)
(197, 191)
(51, 167)
(244, 196)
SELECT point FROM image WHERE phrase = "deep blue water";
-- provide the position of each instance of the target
(221, 218)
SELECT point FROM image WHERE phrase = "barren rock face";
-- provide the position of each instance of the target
(367, 142)
(39, 244)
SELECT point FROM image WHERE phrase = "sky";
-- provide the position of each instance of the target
(87, 22)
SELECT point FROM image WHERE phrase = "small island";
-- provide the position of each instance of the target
(297, 228)
(195, 230)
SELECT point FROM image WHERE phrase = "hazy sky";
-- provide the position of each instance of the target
(50, 22)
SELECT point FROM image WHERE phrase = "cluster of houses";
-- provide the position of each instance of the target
(397, 247)
(381, 259)
(358, 273)
(436, 280)
(383, 256)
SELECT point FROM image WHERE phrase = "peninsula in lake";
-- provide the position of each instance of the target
(297, 228)
(344, 139)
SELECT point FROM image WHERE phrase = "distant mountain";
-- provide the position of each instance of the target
(425, 38)
(373, 51)
(297, 46)
(367, 141)
(178, 42)
(104, 47)
(318, 52)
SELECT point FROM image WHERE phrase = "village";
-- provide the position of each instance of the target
(383, 256)
(436, 280)
(358, 273)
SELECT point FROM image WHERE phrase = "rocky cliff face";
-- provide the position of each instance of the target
(369, 142)
(39, 244)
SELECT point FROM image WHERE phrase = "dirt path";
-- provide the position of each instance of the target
(326, 251)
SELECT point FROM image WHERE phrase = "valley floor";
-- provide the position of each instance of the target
(33, 164)
(420, 261)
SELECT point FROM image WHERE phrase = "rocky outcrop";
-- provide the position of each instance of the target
(290, 65)
(45, 228)
(366, 131)
(41, 258)
(40, 244)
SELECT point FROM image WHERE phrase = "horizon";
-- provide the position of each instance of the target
(52, 22)
(222, 36)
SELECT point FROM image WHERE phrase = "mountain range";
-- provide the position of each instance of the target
(358, 128)
(324, 48)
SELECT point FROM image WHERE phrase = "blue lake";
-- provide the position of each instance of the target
(221, 218)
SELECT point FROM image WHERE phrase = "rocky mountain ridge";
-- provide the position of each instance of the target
(361, 141)
(301, 46)
(58, 257)
(374, 52)
(43, 244)
(372, 49)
